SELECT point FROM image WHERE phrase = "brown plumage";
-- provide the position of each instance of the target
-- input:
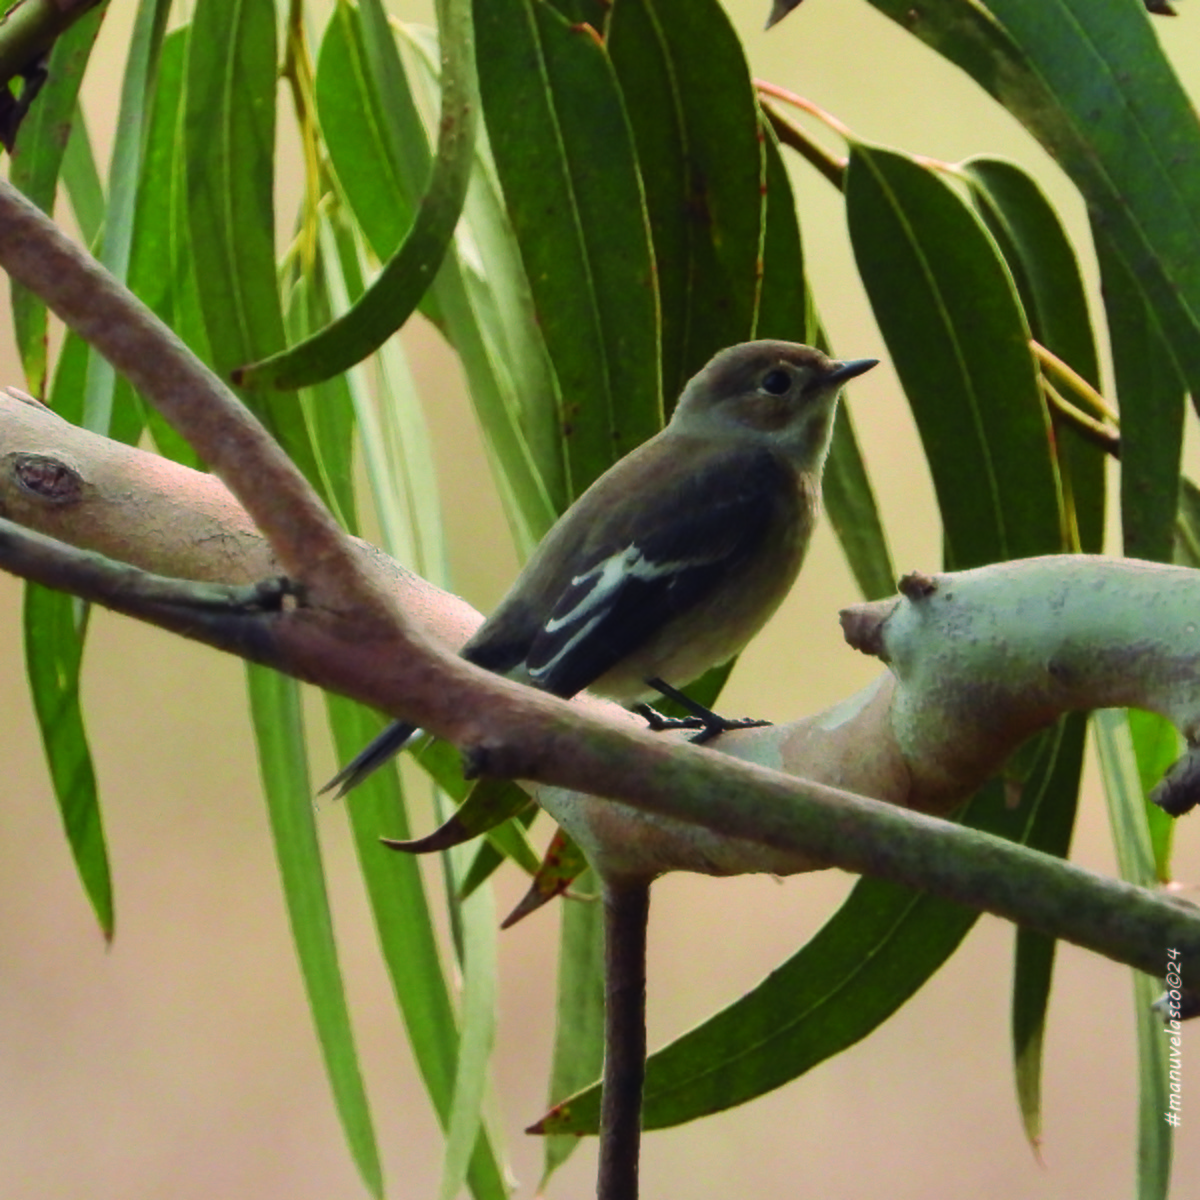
(678, 554)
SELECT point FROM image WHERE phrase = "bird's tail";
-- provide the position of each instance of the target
(368, 760)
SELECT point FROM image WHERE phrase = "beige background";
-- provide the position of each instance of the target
(181, 1063)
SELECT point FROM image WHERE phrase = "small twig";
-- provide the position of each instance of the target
(225, 616)
(626, 913)
(829, 165)
(766, 88)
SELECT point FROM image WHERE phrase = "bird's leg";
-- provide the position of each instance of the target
(709, 723)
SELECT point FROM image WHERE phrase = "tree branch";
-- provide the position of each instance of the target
(626, 918)
(705, 810)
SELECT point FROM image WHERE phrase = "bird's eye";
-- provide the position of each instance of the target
(777, 382)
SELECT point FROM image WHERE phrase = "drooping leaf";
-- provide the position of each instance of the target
(394, 295)
(378, 146)
(275, 708)
(561, 865)
(565, 157)
(477, 921)
(401, 910)
(36, 162)
(489, 803)
(229, 136)
(786, 311)
(53, 654)
(1157, 744)
(959, 342)
(1050, 284)
(1092, 84)
(55, 625)
(162, 269)
(1152, 396)
(579, 1012)
(687, 89)
(81, 178)
(1135, 858)
(117, 237)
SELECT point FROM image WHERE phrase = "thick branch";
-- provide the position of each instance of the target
(220, 428)
(746, 814)
(985, 658)
(710, 812)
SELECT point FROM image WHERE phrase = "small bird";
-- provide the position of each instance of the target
(678, 554)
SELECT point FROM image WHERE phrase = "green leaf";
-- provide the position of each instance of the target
(1046, 271)
(54, 626)
(230, 141)
(327, 407)
(565, 157)
(870, 957)
(786, 311)
(36, 162)
(1135, 859)
(1091, 83)
(230, 131)
(1152, 396)
(849, 500)
(1050, 827)
(275, 708)
(785, 305)
(394, 295)
(404, 922)
(493, 279)
(579, 1013)
(687, 90)
(487, 805)
(505, 842)
(395, 446)
(480, 970)
(1187, 526)
(124, 171)
(957, 337)
(358, 128)
(378, 145)
(1157, 744)
(82, 180)
(161, 267)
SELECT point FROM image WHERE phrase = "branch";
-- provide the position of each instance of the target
(688, 807)
(220, 428)
(626, 916)
(705, 810)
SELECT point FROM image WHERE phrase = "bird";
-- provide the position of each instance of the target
(678, 554)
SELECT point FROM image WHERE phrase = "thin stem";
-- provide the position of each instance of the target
(1095, 431)
(626, 913)
(765, 88)
(829, 165)
(1067, 375)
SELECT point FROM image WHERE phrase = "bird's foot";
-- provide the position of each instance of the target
(719, 725)
(708, 723)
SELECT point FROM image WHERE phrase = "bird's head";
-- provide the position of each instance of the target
(779, 393)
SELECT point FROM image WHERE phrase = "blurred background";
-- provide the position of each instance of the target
(181, 1062)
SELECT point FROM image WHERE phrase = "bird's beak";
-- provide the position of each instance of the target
(848, 370)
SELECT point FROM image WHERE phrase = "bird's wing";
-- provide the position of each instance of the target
(702, 531)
